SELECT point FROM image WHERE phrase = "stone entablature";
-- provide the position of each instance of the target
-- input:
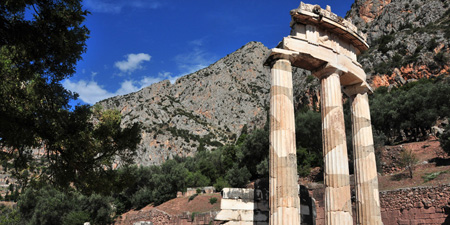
(324, 18)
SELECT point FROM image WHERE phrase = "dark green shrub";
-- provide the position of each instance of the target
(444, 139)
(220, 184)
(192, 197)
(212, 200)
(76, 217)
(238, 177)
(9, 216)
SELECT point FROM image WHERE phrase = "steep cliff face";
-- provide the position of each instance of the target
(207, 108)
(409, 39)
(367, 10)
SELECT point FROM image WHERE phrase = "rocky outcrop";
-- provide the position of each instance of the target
(367, 10)
(208, 108)
(380, 17)
(409, 39)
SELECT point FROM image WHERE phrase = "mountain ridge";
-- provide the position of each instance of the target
(209, 108)
(204, 109)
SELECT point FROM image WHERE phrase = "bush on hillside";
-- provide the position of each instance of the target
(212, 200)
(444, 139)
(408, 113)
(238, 176)
(48, 205)
(408, 160)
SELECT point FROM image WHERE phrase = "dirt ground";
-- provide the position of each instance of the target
(176, 206)
(199, 204)
(433, 167)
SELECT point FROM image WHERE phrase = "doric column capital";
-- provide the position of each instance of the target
(277, 54)
(359, 88)
(327, 70)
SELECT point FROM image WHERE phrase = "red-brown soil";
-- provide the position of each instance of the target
(173, 207)
(199, 204)
(431, 159)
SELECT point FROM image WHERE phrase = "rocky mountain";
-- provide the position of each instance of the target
(409, 39)
(205, 109)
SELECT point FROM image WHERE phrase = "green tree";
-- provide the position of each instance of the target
(133, 187)
(48, 205)
(253, 150)
(168, 181)
(35, 55)
(220, 184)
(238, 176)
(81, 151)
(196, 179)
(98, 208)
(308, 132)
(9, 216)
(411, 109)
(75, 217)
(45, 206)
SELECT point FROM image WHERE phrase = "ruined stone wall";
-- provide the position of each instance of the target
(419, 205)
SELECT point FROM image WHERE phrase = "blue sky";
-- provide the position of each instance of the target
(134, 43)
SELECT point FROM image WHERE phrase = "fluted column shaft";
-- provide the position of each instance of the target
(366, 180)
(338, 209)
(284, 200)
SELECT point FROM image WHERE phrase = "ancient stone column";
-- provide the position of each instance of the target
(284, 200)
(366, 179)
(338, 209)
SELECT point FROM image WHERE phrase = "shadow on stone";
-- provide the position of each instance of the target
(447, 212)
(307, 207)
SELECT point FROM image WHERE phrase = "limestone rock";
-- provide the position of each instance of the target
(412, 36)
(209, 107)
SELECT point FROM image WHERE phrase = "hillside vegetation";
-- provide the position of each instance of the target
(210, 127)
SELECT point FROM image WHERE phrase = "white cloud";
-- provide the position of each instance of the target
(91, 92)
(132, 63)
(126, 87)
(197, 42)
(168, 76)
(194, 60)
(116, 6)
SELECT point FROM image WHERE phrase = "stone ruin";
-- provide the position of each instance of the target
(326, 45)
